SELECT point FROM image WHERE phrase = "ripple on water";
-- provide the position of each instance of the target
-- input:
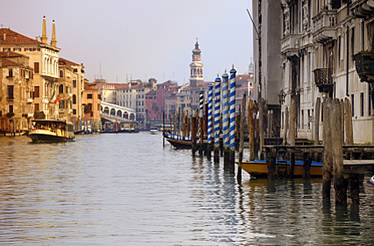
(126, 189)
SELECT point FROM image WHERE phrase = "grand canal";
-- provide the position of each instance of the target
(128, 190)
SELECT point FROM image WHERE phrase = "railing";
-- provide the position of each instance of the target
(324, 25)
(323, 79)
(290, 42)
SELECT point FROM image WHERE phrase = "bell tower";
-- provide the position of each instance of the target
(196, 67)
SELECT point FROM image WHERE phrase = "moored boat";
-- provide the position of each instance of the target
(153, 131)
(259, 168)
(51, 131)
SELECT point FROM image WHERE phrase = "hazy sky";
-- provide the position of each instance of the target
(141, 38)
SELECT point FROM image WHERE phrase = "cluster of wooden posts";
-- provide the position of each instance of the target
(209, 131)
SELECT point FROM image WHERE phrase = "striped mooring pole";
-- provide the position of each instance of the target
(210, 123)
(225, 116)
(217, 116)
(232, 87)
(201, 123)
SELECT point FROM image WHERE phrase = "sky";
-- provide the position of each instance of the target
(139, 39)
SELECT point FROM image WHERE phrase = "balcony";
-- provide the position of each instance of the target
(29, 100)
(363, 9)
(364, 62)
(323, 79)
(324, 26)
(290, 43)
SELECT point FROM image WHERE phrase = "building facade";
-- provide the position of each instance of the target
(320, 40)
(91, 105)
(16, 93)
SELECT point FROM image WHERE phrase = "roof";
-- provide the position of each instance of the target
(63, 61)
(8, 63)
(10, 54)
(8, 36)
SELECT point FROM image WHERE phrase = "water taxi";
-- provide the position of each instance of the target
(51, 131)
(259, 168)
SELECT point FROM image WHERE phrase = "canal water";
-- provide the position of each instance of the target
(126, 189)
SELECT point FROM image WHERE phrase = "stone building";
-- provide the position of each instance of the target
(319, 45)
(16, 93)
(91, 108)
(43, 58)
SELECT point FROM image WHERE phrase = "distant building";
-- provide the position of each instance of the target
(43, 58)
(91, 108)
(16, 92)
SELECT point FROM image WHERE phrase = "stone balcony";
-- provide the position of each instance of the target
(363, 8)
(323, 79)
(324, 24)
(364, 62)
(290, 44)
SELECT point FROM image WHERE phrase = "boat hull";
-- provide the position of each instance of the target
(259, 169)
(44, 138)
(180, 144)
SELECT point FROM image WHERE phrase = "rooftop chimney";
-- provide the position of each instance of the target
(54, 40)
(44, 38)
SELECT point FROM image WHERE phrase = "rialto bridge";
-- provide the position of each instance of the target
(117, 117)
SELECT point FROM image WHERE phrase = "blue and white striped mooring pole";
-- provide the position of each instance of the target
(232, 108)
(210, 110)
(225, 116)
(217, 109)
(201, 124)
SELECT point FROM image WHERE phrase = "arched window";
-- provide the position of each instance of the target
(112, 111)
(61, 89)
(119, 113)
(74, 99)
(132, 117)
(126, 115)
(106, 110)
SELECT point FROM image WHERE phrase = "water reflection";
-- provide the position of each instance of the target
(127, 189)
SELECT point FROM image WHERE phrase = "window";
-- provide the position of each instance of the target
(36, 91)
(36, 67)
(74, 83)
(75, 70)
(302, 119)
(369, 101)
(353, 104)
(10, 73)
(61, 89)
(10, 92)
(362, 34)
(352, 45)
(61, 73)
(362, 104)
(89, 96)
(74, 111)
(11, 109)
(36, 107)
(308, 119)
(74, 99)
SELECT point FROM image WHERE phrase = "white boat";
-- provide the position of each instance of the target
(154, 131)
(51, 131)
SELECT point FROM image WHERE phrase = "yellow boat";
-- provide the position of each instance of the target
(51, 131)
(259, 168)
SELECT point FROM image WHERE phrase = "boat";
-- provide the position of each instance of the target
(51, 131)
(153, 131)
(259, 168)
(178, 142)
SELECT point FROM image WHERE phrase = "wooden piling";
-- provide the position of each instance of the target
(327, 154)
(337, 154)
(354, 186)
(316, 120)
(348, 122)
(261, 126)
(163, 129)
(193, 132)
(251, 129)
(286, 126)
(241, 137)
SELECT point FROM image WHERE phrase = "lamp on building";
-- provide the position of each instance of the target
(282, 96)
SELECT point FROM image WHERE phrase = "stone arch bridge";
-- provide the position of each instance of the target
(117, 114)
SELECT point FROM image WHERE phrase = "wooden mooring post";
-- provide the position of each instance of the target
(241, 137)
(194, 133)
(327, 154)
